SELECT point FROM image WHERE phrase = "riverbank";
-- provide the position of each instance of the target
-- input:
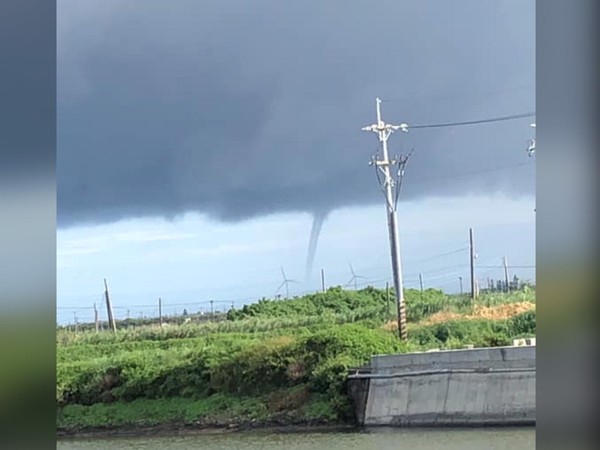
(284, 409)
(183, 429)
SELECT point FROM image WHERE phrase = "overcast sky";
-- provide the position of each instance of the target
(197, 139)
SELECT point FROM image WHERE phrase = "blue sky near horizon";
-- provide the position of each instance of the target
(193, 259)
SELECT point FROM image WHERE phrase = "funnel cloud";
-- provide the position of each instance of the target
(240, 109)
(318, 220)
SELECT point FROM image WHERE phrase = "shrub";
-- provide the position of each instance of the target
(423, 304)
(523, 323)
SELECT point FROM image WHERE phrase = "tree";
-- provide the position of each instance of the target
(516, 283)
(499, 285)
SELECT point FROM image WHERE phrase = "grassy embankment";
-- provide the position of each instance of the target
(271, 363)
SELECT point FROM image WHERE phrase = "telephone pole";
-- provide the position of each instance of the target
(421, 281)
(323, 280)
(160, 319)
(461, 286)
(506, 274)
(111, 317)
(390, 188)
(96, 318)
(472, 257)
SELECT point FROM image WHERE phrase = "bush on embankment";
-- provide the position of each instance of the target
(338, 301)
(369, 303)
(476, 332)
(285, 358)
(247, 366)
(318, 361)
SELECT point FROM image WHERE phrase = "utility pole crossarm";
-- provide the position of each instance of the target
(386, 127)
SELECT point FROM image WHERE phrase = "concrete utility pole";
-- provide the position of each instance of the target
(384, 131)
(421, 281)
(160, 318)
(472, 257)
(461, 285)
(111, 317)
(96, 318)
(323, 280)
(506, 274)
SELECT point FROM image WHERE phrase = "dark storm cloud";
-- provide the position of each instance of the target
(239, 109)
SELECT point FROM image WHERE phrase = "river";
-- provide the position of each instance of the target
(413, 439)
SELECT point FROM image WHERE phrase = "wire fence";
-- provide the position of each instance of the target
(450, 278)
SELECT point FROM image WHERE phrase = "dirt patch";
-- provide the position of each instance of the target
(288, 400)
(500, 312)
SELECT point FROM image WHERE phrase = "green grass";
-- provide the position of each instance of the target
(217, 410)
(259, 365)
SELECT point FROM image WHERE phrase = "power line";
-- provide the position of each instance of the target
(510, 267)
(448, 272)
(413, 262)
(439, 255)
(448, 275)
(441, 269)
(77, 308)
(190, 303)
(472, 122)
(475, 172)
(146, 306)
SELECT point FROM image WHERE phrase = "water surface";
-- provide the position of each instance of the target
(381, 439)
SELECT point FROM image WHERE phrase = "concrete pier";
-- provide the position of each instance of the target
(475, 387)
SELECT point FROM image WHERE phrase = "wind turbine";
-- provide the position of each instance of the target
(285, 283)
(354, 278)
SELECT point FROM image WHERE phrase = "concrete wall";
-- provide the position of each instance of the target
(491, 386)
(479, 358)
